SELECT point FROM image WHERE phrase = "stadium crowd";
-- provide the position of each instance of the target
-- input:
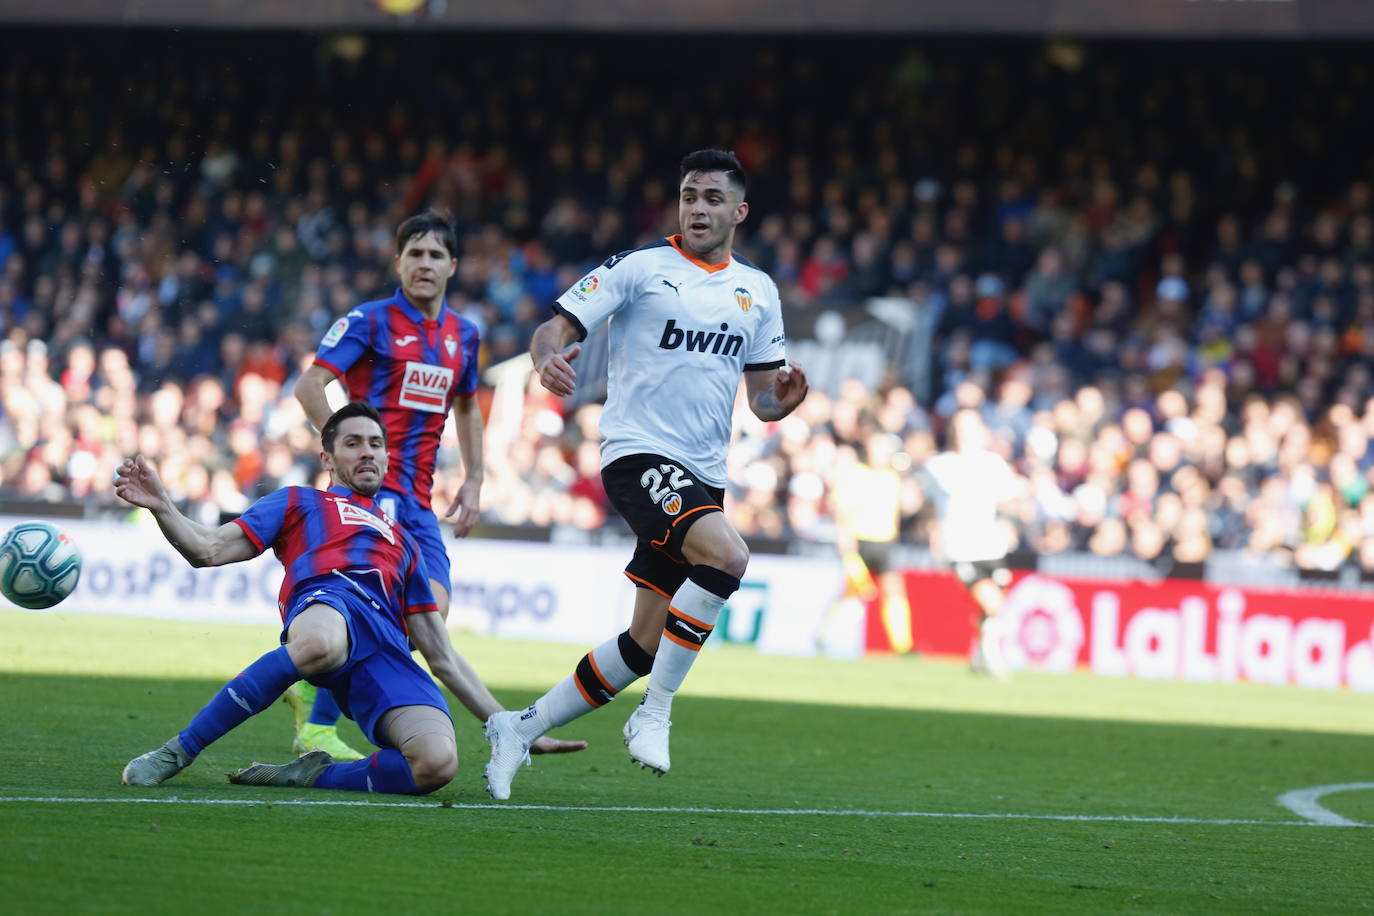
(1165, 317)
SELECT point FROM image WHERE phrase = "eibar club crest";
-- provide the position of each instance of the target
(451, 344)
(746, 301)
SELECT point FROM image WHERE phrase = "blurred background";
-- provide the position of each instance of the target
(1140, 243)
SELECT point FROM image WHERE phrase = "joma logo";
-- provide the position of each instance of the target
(700, 341)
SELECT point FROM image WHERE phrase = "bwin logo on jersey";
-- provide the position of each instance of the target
(700, 341)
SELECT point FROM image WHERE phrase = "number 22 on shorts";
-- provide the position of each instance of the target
(653, 481)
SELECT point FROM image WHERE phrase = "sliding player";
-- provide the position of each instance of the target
(355, 591)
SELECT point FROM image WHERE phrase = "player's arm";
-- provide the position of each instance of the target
(137, 483)
(774, 393)
(547, 347)
(467, 420)
(310, 392)
(430, 635)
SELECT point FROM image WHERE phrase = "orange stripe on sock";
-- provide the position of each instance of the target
(692, 620)
(599, 676)
(682, 642)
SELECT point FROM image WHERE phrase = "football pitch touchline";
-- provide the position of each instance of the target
(634, 809)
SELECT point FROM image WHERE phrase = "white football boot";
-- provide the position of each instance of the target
(646, 735)
(508, 752)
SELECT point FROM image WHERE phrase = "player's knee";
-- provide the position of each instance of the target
(730, 558)
(432, 775)
(315, 652)
(433, 764)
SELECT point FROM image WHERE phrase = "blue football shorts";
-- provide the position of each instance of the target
(380, 673)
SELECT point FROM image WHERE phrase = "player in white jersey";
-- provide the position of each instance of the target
(971, 482)
(688, 318)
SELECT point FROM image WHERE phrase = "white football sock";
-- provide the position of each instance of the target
(692, 615)
(599, 676)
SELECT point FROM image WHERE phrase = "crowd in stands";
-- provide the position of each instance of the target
(1156, 284)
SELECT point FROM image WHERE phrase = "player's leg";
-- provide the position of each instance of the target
(894, 609)
(316, 643)
(897, 610)
(418, 755)
(598, 678)
(989, 597)
(424, 737)
(398, 706)
(718, 557)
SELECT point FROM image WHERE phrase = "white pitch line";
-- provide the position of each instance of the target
(770, 812)
(1303, 803)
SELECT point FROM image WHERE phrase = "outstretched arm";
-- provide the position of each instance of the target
(774, 393)
(430, 635)
(136, 482)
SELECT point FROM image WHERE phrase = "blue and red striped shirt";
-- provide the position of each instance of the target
(326, 533)
(410, 368)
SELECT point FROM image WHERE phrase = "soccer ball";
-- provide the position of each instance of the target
(39, 565)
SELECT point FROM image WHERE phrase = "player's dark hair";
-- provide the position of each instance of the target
(715, 160)
(346, 412)
(431, 221)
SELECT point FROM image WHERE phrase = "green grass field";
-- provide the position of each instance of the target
(798, 786)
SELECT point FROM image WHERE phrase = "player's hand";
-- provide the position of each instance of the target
(791, 385)
(546, 745)
(467, 503)
(136, 482)
(557, 374)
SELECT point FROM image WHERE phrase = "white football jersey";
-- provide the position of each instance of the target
(682, 332)
(971, 487)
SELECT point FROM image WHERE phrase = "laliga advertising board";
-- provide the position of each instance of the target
(1174, 629)
(514, 589)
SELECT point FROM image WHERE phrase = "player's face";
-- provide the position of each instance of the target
(424, 266)
(359, 457)
(708, 211)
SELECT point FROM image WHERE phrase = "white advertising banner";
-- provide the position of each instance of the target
(516, 589)
(580, 594)
(131, 569)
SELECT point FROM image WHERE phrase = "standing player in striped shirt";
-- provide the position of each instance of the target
(414, 359)
(354, 594)
(688, 318)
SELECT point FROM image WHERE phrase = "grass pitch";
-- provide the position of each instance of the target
(799, 786)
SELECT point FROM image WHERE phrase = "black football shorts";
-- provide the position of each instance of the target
(971, 572)
(660, 499)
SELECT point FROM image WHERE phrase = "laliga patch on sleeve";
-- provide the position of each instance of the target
(585, 287)
(336, 333)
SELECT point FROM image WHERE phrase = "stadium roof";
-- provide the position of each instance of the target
(1088, 18)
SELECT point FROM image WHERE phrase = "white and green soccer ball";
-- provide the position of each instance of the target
(39, 565)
